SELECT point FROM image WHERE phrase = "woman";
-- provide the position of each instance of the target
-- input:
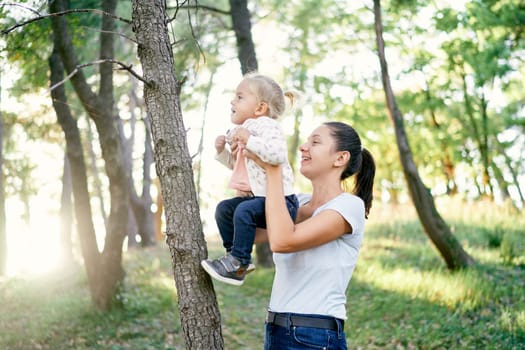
(315, 256)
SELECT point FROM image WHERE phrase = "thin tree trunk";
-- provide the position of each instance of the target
(97, 184)
(147, 223)
(141, 206)
(198, 308)
(75, 155)
(446, 162)
(66, 213)
(435, 227)
(481, 139)
(242, 26)
(517, 184)
(484, 148)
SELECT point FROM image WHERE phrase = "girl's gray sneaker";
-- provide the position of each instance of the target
(227, 269)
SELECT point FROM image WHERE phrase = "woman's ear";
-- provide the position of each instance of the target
(262, 109)
(342, 158)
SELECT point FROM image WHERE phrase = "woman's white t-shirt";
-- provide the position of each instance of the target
(314, 281)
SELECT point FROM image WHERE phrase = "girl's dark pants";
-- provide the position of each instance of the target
(237, 219)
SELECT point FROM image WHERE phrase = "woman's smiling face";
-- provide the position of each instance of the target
(317, 153)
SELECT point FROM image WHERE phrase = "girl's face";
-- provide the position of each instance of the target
(317, 153)
(244, 104)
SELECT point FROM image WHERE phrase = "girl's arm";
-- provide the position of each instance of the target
(283, 234)
(225, 158)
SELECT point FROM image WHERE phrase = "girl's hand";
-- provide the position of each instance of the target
(220, 143)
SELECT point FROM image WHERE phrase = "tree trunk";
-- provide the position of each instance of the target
(75, 155)
(435, 227)
(480, 138)
(242, 27)
(66, 212)
(141, 205)
(97, 184)
(198, 308)
(101, 109)
(513, 173)
(446, 161)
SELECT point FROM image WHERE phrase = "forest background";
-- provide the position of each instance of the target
(456, 68)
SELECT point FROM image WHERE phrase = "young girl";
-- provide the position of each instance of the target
(259, 101)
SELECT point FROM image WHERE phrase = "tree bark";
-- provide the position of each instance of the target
(101, 109)
(435, 227)
(198, 308)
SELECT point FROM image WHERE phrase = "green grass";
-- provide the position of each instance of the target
(401, 295)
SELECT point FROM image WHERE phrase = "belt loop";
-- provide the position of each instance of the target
(340, 328)
(288, 323)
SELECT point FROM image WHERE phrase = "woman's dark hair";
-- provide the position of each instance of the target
(361, 163)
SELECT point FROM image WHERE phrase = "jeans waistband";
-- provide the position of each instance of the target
(285, 320)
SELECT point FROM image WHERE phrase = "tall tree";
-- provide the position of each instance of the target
(435, 227)
(75, 157)
(198, 308)
(101, 109)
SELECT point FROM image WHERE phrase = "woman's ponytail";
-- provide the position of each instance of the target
(361, 163)
(364, 180)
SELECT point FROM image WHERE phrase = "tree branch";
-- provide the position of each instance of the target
(2, 4)
(110, 32)
(62, 13)
(196, 7)
(107, 60)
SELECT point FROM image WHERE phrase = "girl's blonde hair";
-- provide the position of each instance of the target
(267, 90)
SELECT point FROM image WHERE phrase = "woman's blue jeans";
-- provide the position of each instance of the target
(238, 217)
(298, 338)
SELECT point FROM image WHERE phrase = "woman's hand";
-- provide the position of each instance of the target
(234, 148)
(241, 135)
(259, 161)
